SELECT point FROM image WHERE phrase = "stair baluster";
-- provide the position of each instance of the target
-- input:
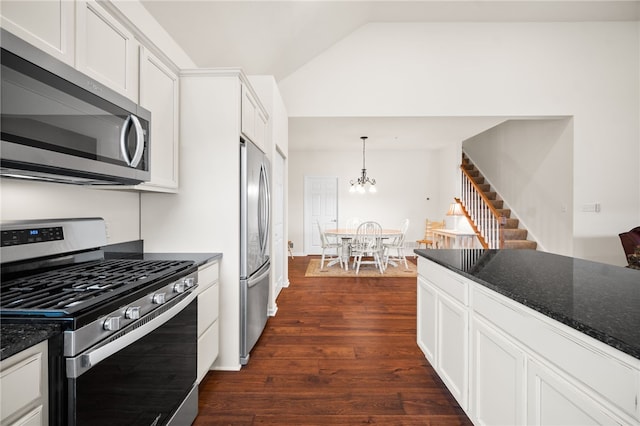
(481, 211)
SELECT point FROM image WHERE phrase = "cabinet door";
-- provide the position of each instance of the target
(208, 349)
(497, 377)
(23, 386)
(248, 119)
(159, 93)
(452, 347)
(105, 49)
(48, 25)
(260, 129)
(33, 418)
(553, 400)
(426, 320)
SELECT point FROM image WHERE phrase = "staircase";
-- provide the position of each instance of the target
(511, 236)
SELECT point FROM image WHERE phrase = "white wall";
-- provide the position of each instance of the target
(204, 216)
(22, 199)
(586, 70)
(405, 179)
(530, 164)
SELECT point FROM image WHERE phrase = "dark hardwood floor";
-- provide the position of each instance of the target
(340, 351)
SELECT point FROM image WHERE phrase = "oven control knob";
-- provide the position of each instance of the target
(132, 312)
(179, 287)
(159, 298)
(111, 323)
(189, 282)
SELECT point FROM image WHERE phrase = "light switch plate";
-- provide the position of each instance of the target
(591, 208)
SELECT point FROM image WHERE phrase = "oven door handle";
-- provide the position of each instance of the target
(82, 363)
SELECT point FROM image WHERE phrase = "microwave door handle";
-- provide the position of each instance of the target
(137, 156)
(139, 141)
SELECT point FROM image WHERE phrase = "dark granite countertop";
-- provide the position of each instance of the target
(135, 250)
(15, 338)
(599, 300)
(18, 337)
(199, 258)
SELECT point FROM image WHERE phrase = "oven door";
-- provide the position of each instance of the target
(145, 377)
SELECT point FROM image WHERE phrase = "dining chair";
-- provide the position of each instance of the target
(397, 244)
(327, 247)
(428, 239)
(368, 242)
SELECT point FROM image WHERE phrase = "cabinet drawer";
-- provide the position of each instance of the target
(445, 280)
(22, 380)
(586, 360)
(208, 306)
(208, 348)
(207, 275)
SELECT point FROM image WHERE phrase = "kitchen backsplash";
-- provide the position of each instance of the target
(39, 200)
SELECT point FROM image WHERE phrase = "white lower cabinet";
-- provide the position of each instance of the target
(554, 400)
(442, 327)
(509, 365)
(452, 347)
(208, 325)
(497, 377)
(426, 326)
(24, 387)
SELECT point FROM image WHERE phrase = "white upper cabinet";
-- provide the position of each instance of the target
(48, 25)
(159, 93)
(253, 122)
(105, 49)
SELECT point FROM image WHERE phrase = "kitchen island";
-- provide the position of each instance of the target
(522, 336)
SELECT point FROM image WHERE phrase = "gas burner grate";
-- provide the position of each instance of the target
(64, 291)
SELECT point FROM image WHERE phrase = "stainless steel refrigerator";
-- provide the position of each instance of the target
(255, 265)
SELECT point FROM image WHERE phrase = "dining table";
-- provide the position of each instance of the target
(348, 234)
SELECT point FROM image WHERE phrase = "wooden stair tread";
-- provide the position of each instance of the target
(520, 244)
(514, 234)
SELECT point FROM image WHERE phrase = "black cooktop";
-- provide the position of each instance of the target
(66, 291)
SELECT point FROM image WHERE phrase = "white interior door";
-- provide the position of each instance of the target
(321, 204)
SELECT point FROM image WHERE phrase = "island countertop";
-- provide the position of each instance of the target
(599, 300)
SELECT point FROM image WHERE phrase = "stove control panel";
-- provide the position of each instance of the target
(124, 318)
(16, 237)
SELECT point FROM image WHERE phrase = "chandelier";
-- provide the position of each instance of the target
(358, 186)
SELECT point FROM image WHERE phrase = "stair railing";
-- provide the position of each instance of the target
(479, 209)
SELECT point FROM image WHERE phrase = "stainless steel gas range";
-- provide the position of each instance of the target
(128, 352)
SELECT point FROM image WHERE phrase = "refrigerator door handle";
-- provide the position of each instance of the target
(264, 208)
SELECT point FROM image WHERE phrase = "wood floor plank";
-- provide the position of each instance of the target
(340, 351)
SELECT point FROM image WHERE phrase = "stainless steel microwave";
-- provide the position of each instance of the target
(60, 125)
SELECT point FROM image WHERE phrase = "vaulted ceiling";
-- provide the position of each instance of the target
(277, 37)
